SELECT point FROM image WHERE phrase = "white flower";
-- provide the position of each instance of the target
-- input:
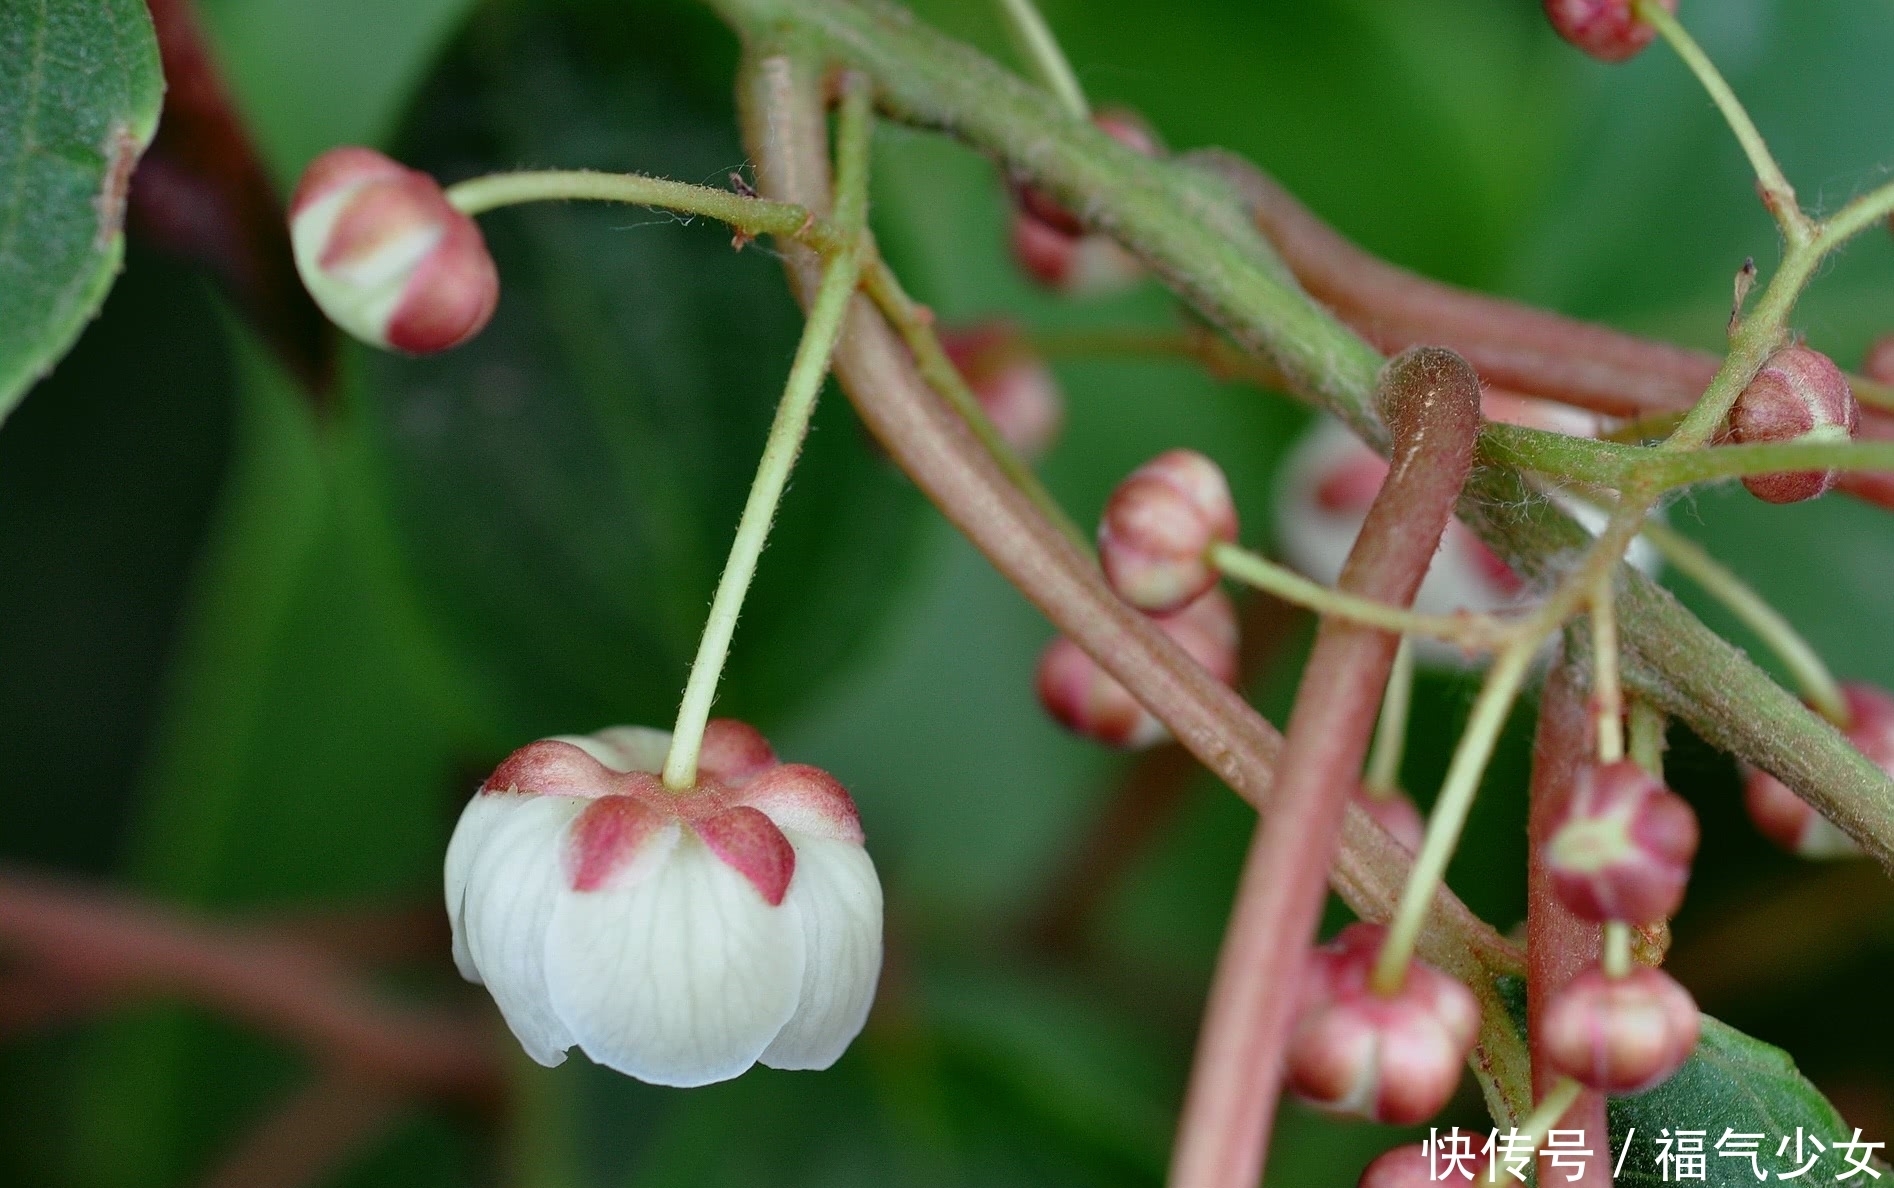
(1330, 478)
(676, 937)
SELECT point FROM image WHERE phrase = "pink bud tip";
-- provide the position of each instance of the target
(1390, 1058)
(748, 842)
(387, 257)
(806, 799)
(734, 753)
(1799, 395)
(1622, 850)
(1878, 365)
(1155, 536)
(550, 767)
(1413, 1166)
(1395, 812)
(1791, 822)
(607, 838)
(1608, 30)
(1621, 1035)
(1015, 388)
(1086, 700)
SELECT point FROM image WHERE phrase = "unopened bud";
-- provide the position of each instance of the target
(1608, 30)
(1391, 1058)
(1878, 365)
(1623, 849)
(1087, 700)
(386, 256)
(1621, 1035)
(1015, 388)
(1799, 395)
(1155, 536)
(1051, 244)
(1795, 824)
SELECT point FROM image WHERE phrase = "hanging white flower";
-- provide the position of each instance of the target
(678, 937)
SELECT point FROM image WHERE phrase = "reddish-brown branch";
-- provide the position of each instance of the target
(1430, 400)
(1512, 346)
(1143, 804)
(1559, 945)
(310, 1136)
(117, 947)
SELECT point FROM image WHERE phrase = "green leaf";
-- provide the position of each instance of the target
(79, 92)
(1731, 1082)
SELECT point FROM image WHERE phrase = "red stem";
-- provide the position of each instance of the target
(1559, 945)
(1431, 402)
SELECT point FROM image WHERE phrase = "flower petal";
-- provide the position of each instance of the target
(837, 899)
(680, 978)
(470, 832)
(513, 885)
(624, 748)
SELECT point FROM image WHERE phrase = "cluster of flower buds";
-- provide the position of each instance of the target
(1622, 850)
(1608, 30)
(1015, 388)
(1620, 1034)
(1392, 1058)
(678, 937)
(1793, 823)
(1052, 245)
(1153, 543)
(386, 256)
(1799, 395)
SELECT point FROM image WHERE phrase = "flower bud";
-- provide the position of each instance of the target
(1623, 848)
(1155, 536)
(1878, 364)
(1014, 386)
(1050, 243)
(1396, 813)
(1394, 1058)
(386, 256)
(1620, 1035)
(1608, 30)
(1799, 395)
(1413, 1166)
(1087, 700)
(678, 937)
(1795, 824)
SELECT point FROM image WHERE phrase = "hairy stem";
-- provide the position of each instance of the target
(1383, 777)
(1474, 632)
(1431, 400)
(1038, 45)
(1610, 464)
(806, 374)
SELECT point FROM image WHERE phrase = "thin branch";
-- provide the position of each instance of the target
(1431, 400)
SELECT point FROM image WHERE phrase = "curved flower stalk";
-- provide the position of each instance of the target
(677, 937)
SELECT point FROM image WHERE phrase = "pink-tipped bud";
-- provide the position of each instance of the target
(1087, 700)
(1621, 1035)
(1608, 30)
(1623, 848)
(1415, 1166)
(1394, 812)
(1878, 364)
(1050, 243)
(1391, 1058)
(1795, 824)
(1155, 536)
(387, 257)
(1798, 396)
(1015, 388)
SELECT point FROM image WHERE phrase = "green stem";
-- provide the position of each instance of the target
(1038, 45)
(1390, 733)
(752, 216)
(1475, 632)
(1610, 464)
(1617, 958)
(1811, 676)
(1607, 695)
(1647, 736)
(1551, 1108)
(1778, 194)
(1860, 214)
(841, 273)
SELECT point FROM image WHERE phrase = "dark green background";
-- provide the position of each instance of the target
(249, 659)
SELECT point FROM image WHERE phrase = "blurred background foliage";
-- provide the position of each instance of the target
(253, 658)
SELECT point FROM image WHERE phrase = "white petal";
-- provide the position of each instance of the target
(681, 978)
(624, 748)
(837, 898)
(513, 885)
(469, 832)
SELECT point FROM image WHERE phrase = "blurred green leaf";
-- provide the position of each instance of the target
(79, 92)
